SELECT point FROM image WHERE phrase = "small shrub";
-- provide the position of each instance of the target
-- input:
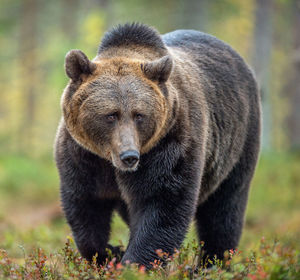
(271, 261)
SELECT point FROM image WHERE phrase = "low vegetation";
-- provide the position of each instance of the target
(33, 232)
(271, 261)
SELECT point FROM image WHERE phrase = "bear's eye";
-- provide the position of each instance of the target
(138, 117)
(112, 117)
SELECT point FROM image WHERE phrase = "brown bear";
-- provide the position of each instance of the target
(164, 130)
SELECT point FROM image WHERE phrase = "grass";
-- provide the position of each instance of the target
(271, 261)
(33, 232)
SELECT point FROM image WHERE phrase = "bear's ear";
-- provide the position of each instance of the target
(158, 70)
(77, 63)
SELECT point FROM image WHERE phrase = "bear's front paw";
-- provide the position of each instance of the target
(115, 251)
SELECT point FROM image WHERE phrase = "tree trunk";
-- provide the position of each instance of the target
(261, 62)
(69, 18)
(195, 15)
(293, 87)
(106, 7)
(28, 58)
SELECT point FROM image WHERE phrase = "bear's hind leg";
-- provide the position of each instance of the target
(220, 218)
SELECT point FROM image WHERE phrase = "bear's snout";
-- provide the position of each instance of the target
(130, 158)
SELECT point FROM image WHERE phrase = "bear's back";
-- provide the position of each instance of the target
(186, 37)
(215, 59)
(198, 43)
(231, 95)
(210, 54)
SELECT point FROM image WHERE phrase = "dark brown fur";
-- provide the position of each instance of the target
(188, 105)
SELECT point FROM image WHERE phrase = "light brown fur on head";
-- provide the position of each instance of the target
(116, 80)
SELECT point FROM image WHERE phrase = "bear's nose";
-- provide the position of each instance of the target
(130, 157)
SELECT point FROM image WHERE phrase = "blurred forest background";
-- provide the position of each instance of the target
(35, 35)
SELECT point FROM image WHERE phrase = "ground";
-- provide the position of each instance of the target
(35, 241)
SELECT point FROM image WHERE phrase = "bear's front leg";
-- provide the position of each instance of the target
(90, 219)
(160, 214)
(82, 177)
(158, 224)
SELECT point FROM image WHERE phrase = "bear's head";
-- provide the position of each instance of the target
(115, 107)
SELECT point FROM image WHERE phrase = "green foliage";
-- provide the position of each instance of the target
(272, 261)
(28, 179)
(18, 242)
(274, 210)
